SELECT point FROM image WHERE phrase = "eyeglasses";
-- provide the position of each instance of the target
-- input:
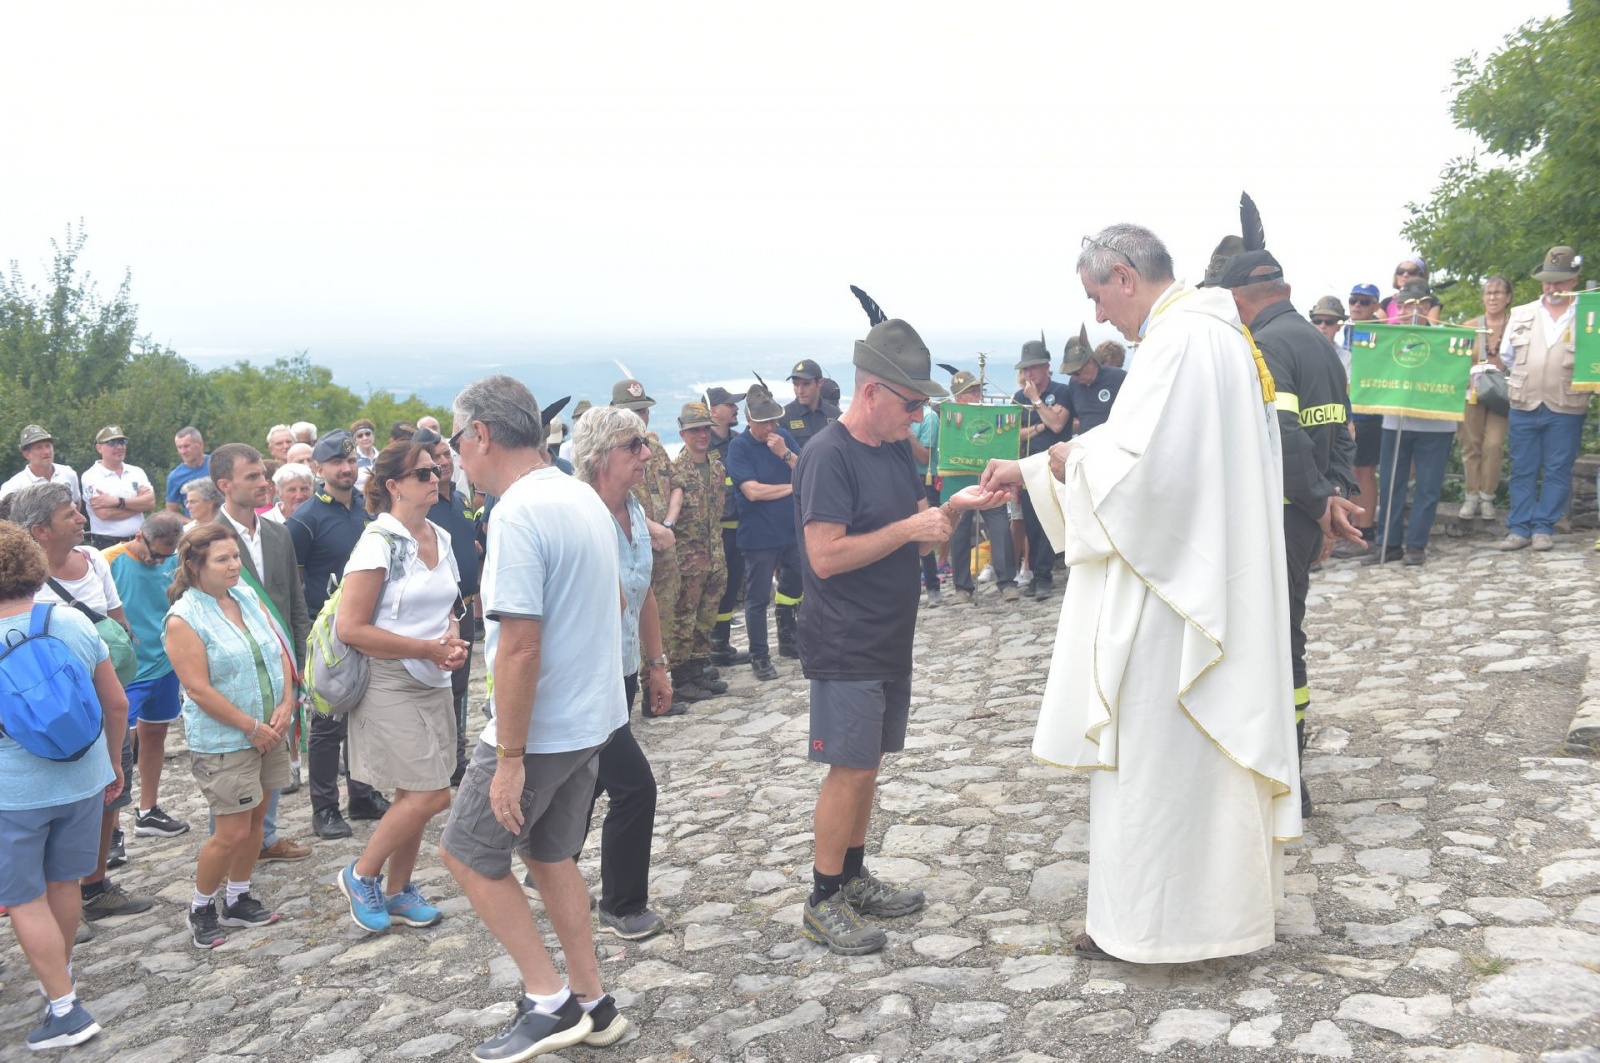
(427, 473)
(455, 440)
(1322, 322)
(1362, 300)
(1407, 271)
(115, 443)
(636, 444)
(156, 555)
(911, 405)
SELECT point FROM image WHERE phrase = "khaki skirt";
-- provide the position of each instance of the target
(403, 734)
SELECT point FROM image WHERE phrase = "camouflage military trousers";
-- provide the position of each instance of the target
(696, 613)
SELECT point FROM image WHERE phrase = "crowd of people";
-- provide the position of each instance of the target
(600, 570)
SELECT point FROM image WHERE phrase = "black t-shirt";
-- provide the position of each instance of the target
(857, 625)
(1054, 394)
(1092, 405)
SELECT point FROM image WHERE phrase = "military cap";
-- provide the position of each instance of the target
(629, 395)
(1330, 306)
(721, 397)
(1034, 352)
(892, 351)
(759, 405)
(806, 369)
(694, 415)
(1560, 264)
(34, 434)
(336, 444)
(1079, 351)
(110, 433)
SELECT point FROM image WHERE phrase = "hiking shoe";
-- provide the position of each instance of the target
(836, 924)
(534, 1033)
(934, 598)
(1513, 541)
(158, 823)
(285, 850)
(73, 1028)
(328, 824)
(869, 895)
(609, 1023)
(247, 912)
(1415, 555)
(204, 930)
(960, 597)
(409, 908)
(294, 780)
(632, 927)
(1028, 589)
(1009, 593)
(1543, 541)
(1381, 556)
(762, 666)
(368, 906)
(114, 900)
(82, 934)
(1042, 589)
(1344, 549)
(370, 809)
(118, 855)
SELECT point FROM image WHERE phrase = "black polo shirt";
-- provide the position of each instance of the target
(460, 520)
(803, 423)
(1091, 405)
(1055, 393)
(324, 533)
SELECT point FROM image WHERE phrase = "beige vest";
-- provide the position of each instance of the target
(1541, 375)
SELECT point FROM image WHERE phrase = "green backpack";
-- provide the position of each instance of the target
(336, 675)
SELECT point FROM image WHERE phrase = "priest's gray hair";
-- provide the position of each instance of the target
(1131, 245)
(504, 404)
(597, 432)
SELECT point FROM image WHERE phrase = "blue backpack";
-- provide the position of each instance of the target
(48, 703)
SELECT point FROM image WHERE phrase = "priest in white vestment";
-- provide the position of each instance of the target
(1171, 669)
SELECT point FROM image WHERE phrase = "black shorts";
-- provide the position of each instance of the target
(854, 722)
(1369, 438)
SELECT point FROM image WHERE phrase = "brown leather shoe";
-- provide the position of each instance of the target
(283, 849)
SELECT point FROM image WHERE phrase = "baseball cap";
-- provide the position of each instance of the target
(629, 395)
(806, 369)
(336, 444)
(1236, 271)
(34, 434)
(1369, 290)
(721, 397)
(894, 352)
(110, 433)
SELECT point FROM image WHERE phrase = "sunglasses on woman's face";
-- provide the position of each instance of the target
(427, 473)
(637, 444)
(1408, 271)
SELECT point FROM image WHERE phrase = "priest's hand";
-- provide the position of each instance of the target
(1000, 472)
(1058, 459)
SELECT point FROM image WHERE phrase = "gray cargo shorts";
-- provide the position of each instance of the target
(854, 722)
(557, 792)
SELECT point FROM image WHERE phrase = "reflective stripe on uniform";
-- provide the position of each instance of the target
(723, 618)
(1302, 698)
(1328, 413)
(1288, 403)
(730, 524)
(783, 599)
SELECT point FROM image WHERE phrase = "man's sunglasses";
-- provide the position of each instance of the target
(1362, 300)
(911, 405)
(1320, 321)
(156, 555)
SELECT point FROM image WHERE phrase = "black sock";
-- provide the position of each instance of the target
(92, 889)
(853, 859)
(824, 886)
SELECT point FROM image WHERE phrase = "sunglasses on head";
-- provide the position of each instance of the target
(427, 473)
(911, 405)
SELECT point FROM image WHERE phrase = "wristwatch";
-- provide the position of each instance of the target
(658, 661)
(513, 751)
(667, 524)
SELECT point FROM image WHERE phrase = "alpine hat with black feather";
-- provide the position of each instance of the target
(1034, 352)
(1079, 351)
(893, 352)
(1254, 239)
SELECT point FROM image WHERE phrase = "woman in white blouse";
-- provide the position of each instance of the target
(398, 607)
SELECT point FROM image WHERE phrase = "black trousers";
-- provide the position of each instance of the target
(1302, 542)
(326, 745)
(730, 596)
(630, 823)
(1041, 555)
(759, 566)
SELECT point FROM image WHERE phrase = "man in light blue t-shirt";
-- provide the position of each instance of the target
(556, 695)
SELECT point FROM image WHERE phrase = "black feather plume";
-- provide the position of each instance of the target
(548, 414)
(763, 383)
(948, 368)
(1255, 237)
(875, 314)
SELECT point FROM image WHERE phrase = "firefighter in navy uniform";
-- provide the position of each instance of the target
(1318, 447)
(809, 413)
(724, 419)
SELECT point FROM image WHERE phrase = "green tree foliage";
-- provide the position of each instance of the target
(1535, 105)
(74, 362)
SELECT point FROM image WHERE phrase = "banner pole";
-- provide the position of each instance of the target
(1394, 463)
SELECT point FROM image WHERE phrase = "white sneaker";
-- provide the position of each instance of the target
(1486, 506)
(1469, 508)
(987, 575)
(1024, 575)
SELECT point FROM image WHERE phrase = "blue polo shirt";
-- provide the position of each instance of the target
(762, 525)
(459, 519)
(324, 533)
(1092, 405)
(182, 475)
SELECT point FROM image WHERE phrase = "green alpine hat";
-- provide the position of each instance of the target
(1560, 264)
(629, 395)
(1034, 352)
(759, 405)
(694, 415)
(894, 352)
(1078, 352)
(962, 381)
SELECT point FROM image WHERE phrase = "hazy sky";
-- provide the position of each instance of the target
(315, 175)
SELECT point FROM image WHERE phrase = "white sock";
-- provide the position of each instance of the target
(200, 900)
(590, 1005)
(237, 890)
(60, 1007)
(146, 811)
(551, 1004)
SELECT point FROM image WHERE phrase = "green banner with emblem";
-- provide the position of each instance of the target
(1586, 342)
(1410, 370)
(971, 434)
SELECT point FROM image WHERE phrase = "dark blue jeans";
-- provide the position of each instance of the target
(1431, 452)
(1543, 443)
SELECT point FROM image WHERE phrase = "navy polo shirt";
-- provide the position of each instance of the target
(459, 519)
(324, 533)
(1053, 394)
(1092, 405)
(762, 525)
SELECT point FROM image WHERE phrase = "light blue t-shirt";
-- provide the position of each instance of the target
(552, 553)
(927, 433)
(27, 781)
(144, 602)
(637, 564)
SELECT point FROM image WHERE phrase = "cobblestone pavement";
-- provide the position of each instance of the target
(1442, 905)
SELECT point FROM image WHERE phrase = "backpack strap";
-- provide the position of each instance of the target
(39, 619)
(66, 596)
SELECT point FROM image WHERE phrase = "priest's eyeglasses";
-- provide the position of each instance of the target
(1089, 241)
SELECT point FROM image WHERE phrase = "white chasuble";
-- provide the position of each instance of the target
(1171, 674)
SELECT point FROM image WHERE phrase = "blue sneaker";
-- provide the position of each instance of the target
(73, 1028)
(409, 908)
(367, 904)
